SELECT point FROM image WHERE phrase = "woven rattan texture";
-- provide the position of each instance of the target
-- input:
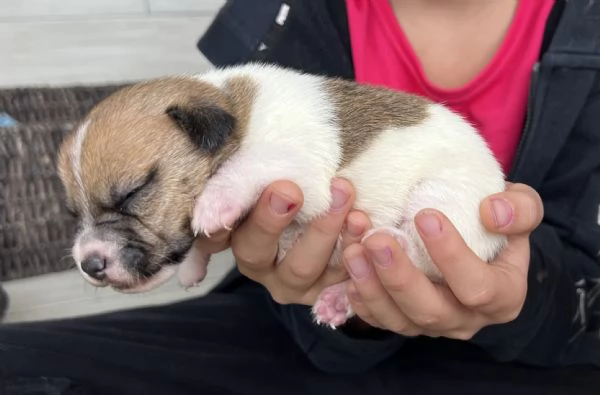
(36, 231)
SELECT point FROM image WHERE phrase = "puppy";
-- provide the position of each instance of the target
(158, 165)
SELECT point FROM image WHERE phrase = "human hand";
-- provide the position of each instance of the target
(389, 292)
(305, 270)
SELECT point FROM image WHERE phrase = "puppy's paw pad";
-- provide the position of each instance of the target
(211, 215)
(333, 307)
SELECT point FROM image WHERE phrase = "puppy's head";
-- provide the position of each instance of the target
(132, 169)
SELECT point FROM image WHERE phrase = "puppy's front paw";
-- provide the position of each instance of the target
(193, 268)
(214, 210)
(333, 307)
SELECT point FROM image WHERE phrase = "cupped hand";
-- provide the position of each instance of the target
(389, 292)
(304, 272)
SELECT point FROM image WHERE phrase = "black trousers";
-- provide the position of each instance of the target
(229, 342)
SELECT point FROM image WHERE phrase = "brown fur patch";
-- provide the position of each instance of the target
(241, 92)
(365, 111)
(130, 134)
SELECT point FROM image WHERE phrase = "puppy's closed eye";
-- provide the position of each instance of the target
(122, 201)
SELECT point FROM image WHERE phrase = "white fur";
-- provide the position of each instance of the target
(75, 157)
(193, 268)
(88, 244)
(293, 134)
(93, 246)
(441, 163)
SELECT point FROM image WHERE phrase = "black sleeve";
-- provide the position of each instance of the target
(560, 321)
(303, 35)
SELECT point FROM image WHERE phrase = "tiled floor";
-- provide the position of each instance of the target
(64, 42)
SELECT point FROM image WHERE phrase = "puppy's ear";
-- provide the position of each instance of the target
(207, 126)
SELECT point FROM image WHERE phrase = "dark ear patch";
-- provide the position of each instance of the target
(208, 127)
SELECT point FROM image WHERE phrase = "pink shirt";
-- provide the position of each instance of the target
(495, 101)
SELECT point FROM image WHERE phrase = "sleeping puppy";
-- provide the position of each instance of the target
(160, 164)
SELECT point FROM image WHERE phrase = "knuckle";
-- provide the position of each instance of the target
(250, 261)
(302, 273)
(483, 297)
(251, 258)
(330, 226)
(427, 320)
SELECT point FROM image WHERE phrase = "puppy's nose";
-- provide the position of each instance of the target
(94, 266)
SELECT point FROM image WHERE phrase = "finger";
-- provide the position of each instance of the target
(254, 243)
(359, 307)
(308, 258)
(518, 210)
(378, 304)
(417, 297)
(217, 242)
(474, 283)
(357, 223)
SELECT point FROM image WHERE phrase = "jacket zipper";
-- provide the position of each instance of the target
(526, 137)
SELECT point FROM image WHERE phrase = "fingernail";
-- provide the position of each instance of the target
(382, 256)
(429, 224)
(339, 198)
(359, 268)
(354, 229)
(503, 212)
(280, 205)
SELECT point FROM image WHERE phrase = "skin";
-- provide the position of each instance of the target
(454, 39)
(387, 291)
(390, 293)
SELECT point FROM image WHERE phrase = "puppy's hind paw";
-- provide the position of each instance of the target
(333, 307)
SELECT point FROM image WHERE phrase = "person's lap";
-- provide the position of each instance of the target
(231, 343)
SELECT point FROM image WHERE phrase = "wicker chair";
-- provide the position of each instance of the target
(36, 231)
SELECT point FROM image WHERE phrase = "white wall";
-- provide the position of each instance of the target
(58, 42)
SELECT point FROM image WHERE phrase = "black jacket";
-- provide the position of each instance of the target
(559, 156)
